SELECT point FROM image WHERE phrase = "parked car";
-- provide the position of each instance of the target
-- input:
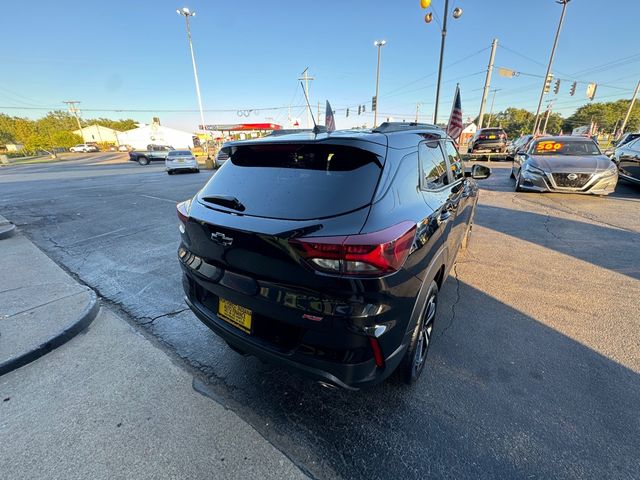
(152, 153)
(327, 253)
(564, 164)
(626, 138)
(492, 139)
(520, 144)
(223, 154)
(181, 160)
(124, 148)
(627, 159)
(84, 147)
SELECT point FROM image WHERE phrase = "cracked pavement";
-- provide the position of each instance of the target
(535, 363)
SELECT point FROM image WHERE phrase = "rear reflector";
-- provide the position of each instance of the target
(369, 254)
(377, 351)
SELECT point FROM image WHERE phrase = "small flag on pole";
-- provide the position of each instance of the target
(454, 128)
(329, 118)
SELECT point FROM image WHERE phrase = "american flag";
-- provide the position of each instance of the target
(329, 119)
(454, 128)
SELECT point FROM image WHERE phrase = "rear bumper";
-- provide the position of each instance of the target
(347, 376)
(334, 349)
(489, 144)
(182, 166)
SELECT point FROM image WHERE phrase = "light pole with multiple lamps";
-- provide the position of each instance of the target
(379, 44)
(187, 14)
(457, 13)
(564, 4)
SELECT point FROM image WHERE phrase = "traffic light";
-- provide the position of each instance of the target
(572, 91)
(359, 109)
(364, 108)
(547, 83)
(556, 88)
(347, 112)
(374, 103)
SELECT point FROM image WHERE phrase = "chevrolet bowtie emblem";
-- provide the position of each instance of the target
(221, 239)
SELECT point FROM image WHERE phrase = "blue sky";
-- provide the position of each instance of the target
(133, 55)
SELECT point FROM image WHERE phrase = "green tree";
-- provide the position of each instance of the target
(514, 121)
(606, 115)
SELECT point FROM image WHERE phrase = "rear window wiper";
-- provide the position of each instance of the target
(225, 201)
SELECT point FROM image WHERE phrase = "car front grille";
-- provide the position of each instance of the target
(563, 180)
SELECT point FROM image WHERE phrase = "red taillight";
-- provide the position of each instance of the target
(369, 254)
(482, 137)
(377, 351)
(183, 211)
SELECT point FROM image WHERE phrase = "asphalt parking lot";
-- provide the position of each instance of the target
(534, 371)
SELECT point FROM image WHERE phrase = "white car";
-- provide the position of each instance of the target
(178, 160)
(84, 147)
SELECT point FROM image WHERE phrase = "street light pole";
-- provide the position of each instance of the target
(626, 117)
(379, 44)
(564, 4)
(444, 36)
(186, 13)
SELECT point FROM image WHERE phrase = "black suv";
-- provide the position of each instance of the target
(492, 139)
(326, 252)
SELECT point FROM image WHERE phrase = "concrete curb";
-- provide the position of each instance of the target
(71, 330)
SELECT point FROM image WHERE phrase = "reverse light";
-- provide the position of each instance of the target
(370, 254)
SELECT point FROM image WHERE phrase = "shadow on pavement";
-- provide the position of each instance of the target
(585, 241)
(504, 397)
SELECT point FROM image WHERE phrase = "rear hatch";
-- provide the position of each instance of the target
(270, 192)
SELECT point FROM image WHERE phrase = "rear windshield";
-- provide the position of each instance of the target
(491, 130)
(179, 153)
(297, 181)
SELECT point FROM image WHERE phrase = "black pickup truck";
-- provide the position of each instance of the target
(152, 153)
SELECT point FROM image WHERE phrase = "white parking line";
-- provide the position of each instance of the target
(158, 198)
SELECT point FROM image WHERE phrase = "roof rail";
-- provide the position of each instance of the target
(387, 127)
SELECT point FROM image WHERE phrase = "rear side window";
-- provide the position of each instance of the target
(297, 181)
(455, 162)
(433, 165)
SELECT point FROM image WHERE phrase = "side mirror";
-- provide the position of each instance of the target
(480, 172)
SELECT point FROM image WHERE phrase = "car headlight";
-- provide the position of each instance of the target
(531, 169)
(609, 172)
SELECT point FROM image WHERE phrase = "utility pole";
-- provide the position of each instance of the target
(633, 101)
(417, 110)
(553, 52)
(318, 117)
(487, 82)
(73, 109)
(305, 76)
(491, 109)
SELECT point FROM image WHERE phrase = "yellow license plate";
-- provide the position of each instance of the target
(492, 137)
(236, 315)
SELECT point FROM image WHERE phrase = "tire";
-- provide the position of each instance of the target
(415, 357)
(197, 170)
(143, 160)
(170, 172)
(517, 187)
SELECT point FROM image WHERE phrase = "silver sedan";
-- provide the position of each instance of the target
(564, 164)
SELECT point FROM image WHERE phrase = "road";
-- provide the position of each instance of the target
(534, 370)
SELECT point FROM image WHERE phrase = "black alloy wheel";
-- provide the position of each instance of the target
(415, 358)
